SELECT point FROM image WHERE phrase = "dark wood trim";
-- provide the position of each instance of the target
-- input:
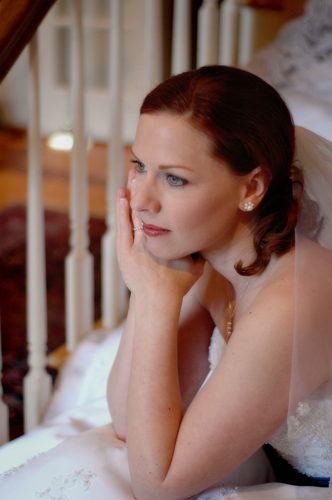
(19, 20)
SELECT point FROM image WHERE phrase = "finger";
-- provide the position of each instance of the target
(125, 229)
(136, 219)
(131, 177)
(134, 214)
(132, 188)
(122, 193)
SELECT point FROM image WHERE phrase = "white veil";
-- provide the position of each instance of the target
(314, 155)
(313, 304)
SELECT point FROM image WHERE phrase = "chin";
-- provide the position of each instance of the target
(162, 252)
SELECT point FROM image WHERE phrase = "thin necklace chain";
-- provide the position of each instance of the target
(231, 313)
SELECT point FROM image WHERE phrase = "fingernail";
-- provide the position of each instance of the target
(133, 185)
(122, 202)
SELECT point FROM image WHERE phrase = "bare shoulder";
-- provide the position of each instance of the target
(268, 310)
(262, 338)
(249, 388)
(291, 306)
(314, 271)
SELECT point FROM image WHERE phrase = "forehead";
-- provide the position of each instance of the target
(171, 135)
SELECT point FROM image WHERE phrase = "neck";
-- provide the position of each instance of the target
(225, 259)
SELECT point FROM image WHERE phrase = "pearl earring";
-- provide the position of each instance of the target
(248, 206)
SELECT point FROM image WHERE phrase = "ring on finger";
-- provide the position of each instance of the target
(137, 228)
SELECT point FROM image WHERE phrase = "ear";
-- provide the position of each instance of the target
(254, 188)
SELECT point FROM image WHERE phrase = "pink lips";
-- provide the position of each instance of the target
(150, 230)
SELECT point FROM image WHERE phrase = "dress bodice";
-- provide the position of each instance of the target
(305, 440)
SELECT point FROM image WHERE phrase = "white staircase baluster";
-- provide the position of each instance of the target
(229, 30)
(247, 23)
(181, 40)
(208, 33)
(79, 262)
(4, 412)
(153, 67)
(37, 383)
(113, 289)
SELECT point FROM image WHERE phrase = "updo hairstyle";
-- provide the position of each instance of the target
(249, 125)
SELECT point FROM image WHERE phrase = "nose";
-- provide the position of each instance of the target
(146, 196)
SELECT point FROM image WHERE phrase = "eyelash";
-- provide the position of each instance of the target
(183, 182)
(138, 165)
(168, 176)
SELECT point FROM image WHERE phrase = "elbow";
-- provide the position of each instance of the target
(146, 495)
(118, 423)
(120, 431)
(118, 426)
(144, 491)
(150, 491)
(121, 436)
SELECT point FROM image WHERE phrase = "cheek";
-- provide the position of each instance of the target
(201, 212)
(187, 217)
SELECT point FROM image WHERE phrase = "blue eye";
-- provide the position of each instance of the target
(175, 181)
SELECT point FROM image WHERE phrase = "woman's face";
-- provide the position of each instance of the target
(187, 200)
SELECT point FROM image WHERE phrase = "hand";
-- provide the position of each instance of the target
(143, 272)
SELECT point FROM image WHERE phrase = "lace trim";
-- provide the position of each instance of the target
(305, 441)
(221, 493)
(217, 346)
(225, 493)
(13, 470)
(9, 473)
(61, 485)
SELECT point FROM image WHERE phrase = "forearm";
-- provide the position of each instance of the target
(118, 382)
(154, 402)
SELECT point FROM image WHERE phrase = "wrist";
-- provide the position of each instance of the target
(158, 308)
(160, 299)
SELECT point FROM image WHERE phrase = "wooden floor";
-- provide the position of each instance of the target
(56, 171)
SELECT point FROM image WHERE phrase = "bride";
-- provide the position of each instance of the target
(227, 344)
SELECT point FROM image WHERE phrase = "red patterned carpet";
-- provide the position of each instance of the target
(13, 295)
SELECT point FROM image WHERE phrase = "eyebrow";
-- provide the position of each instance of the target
(165, 167)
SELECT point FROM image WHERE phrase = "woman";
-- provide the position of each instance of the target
(207, 247)
(213, 156)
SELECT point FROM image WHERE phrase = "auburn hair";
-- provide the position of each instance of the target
(249, 125)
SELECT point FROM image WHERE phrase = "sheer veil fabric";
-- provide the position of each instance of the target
(310, 393)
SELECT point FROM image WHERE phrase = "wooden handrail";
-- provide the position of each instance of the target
(19, 20)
